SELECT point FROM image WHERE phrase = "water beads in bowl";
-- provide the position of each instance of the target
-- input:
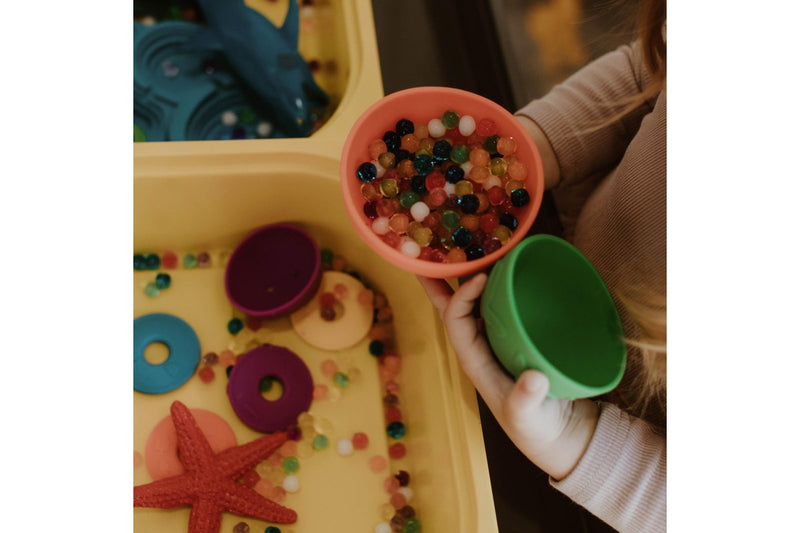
(447, 191)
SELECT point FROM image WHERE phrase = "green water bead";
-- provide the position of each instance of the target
(459, 154)
(422, 236)
(326, 256)
(341, 379)
(498, 166)
(490, 144)
(291, 465)
(389, 188)
(163, 281)
(235, 325)
(450, 119)
(189, 261)
(138, 134)
(412, 526)
(247, 116)
(463, 187)
(450, 219)
(320, 442)
(152, 290)
(408, 198)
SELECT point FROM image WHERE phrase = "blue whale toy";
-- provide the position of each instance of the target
(266, 58)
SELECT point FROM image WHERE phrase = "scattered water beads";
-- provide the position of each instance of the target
(439, 190)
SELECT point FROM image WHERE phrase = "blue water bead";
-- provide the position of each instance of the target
(235, 325)
(396, 430)
(520, 197)
(272, 529)
(140, 263)
(461, 236)
(469, 203)
(441, 150)
(423, 164)
(454, 174)
(508, 220)
(239, 133)
(366, 172)
(418, 184)
(377, 348)
(152, 261)
(163, 280)
(392, 140)
(401, 155)
(404, 127)
(474, 252)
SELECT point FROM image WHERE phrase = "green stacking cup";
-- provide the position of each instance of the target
(545, 307)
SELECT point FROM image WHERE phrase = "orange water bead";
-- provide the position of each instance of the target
(338, 262)
(329, 367)
(289, 448)
(479, 174)
(483, 202)
(471, 222)
(433, 220)
(320, 392)
(406, 169)
(387, 374)
(380, 300)
(456, 255)
(421, 131)
(513, 185)
(398, 223)
(398, 501)
(506, 145)
(409, 142)
(392, 362)
(517, 171)
(276, 459)
(391, 484)
(263, 487)
(380, 332)
(366, 297)
(392, 387)
(436, 197)
(360, 441)
(376, 148)
(384, 314)
(278, 494)
(227, 358)
(378, 463)
(479, 157)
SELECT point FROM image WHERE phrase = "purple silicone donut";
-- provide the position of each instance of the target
(245, 396)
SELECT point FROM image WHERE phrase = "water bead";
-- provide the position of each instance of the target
(502, 233)
(486, 127)
(383, 527)
(376, 148)
(459, 154)
(454, 174)
(461, 236)
(229, 118)
(403, 477)
(412, 526)
(474, 252)
(409, 142)
(264, 129)
(425, 146)
(341, 380)
(404, 127)
(402, 155)
(513, 185)
(385, 207)
(345, 447)
(421, 130)
(479, 174)
(419, 210)
(387, 160)
(320, 392)
(210, 358)
(488, 221)
(433, 220)
(163, 281)
(493, 181)
(369, 192)
(139, 262)
(463, 187)
(471, 222)
(152, 262)
(506, 145)
(517, 170)
(392, 140)
(491, 245)
(483, 202)
(392, 239)
(235, 325)
(450, 219)
(241, 527)
(450, 119)
(398, 223)
(410, 248)
(397, 450)
(320, 442)
(290, 465)
(479, 158)
(423, 236)
(408, 199)
(437, 197)
(423, 164)
(456, 255)
(397, 522)
(509, 220)
(381, 225)
(360, 441)
(468, 203)
(329, 367)
(498, 166)
(377, 463)
(379, 170)
(520, 197)
(441, 150)
(496, 195)
(327, 313)
(367, 172)
(434, 180)
(466, 126)
(389, 188)
(466, 167)
(398, 501)
(206, 374)
(436, 128)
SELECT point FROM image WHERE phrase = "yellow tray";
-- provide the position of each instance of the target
(206, 196)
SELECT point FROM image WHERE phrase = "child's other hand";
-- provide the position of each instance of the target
(551, 433)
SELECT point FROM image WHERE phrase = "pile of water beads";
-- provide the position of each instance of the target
(447, 191)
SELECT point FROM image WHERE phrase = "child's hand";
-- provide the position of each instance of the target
(551, 433)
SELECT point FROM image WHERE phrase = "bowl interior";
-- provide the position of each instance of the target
(272, 271)
(420, 105)
(567, 313)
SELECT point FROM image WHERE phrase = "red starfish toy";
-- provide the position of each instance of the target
(209, 484)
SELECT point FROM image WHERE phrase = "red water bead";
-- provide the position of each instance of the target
(433, 220)
(392, 174)
(398, 223)
(496, 195)
(392, 387)
(206, 374)
(398, 501)
(506, 145)
(169, 260)
(403, 477)
(438, 256)
(489, 221)
(426, 253)
(409, 142)
(455, 136)
(327, 299)
(327, 313)
(474, 138)
(385, 314)
(338, 262)
(507, 205)
(479, 157)
(437, 197)
(391, 485)
(392, 362)
(435, 180)
(391, 400)
(491, 245)
(397, 450)
(380, 300)
(393, 414)
(360, 441)
(250, 478)
(371, 209)
(384, 207)
(253, 324)
(376, 148)
(380, 332)
(486, 127)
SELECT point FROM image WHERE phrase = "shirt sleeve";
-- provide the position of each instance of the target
(622, 476)
(569, 115)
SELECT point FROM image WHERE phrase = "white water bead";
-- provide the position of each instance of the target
(407, 492)
(466, 126)
(229, 118)
(381, 225)
(466, 167)
(436, 128)
(345, 447)
(292, 484)
(379, 168)
(420, 210)
(264, 129)
(147, 20)
(450, 188)
(493, 181)
(383, 527)
(410, 248)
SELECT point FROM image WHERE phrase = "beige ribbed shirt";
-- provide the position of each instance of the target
(612, 202)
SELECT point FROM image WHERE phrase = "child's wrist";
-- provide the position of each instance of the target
(571, 445)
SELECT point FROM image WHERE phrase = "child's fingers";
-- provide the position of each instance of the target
(526, 397)
(439, 293)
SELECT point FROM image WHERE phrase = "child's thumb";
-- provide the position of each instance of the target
(527, 396)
